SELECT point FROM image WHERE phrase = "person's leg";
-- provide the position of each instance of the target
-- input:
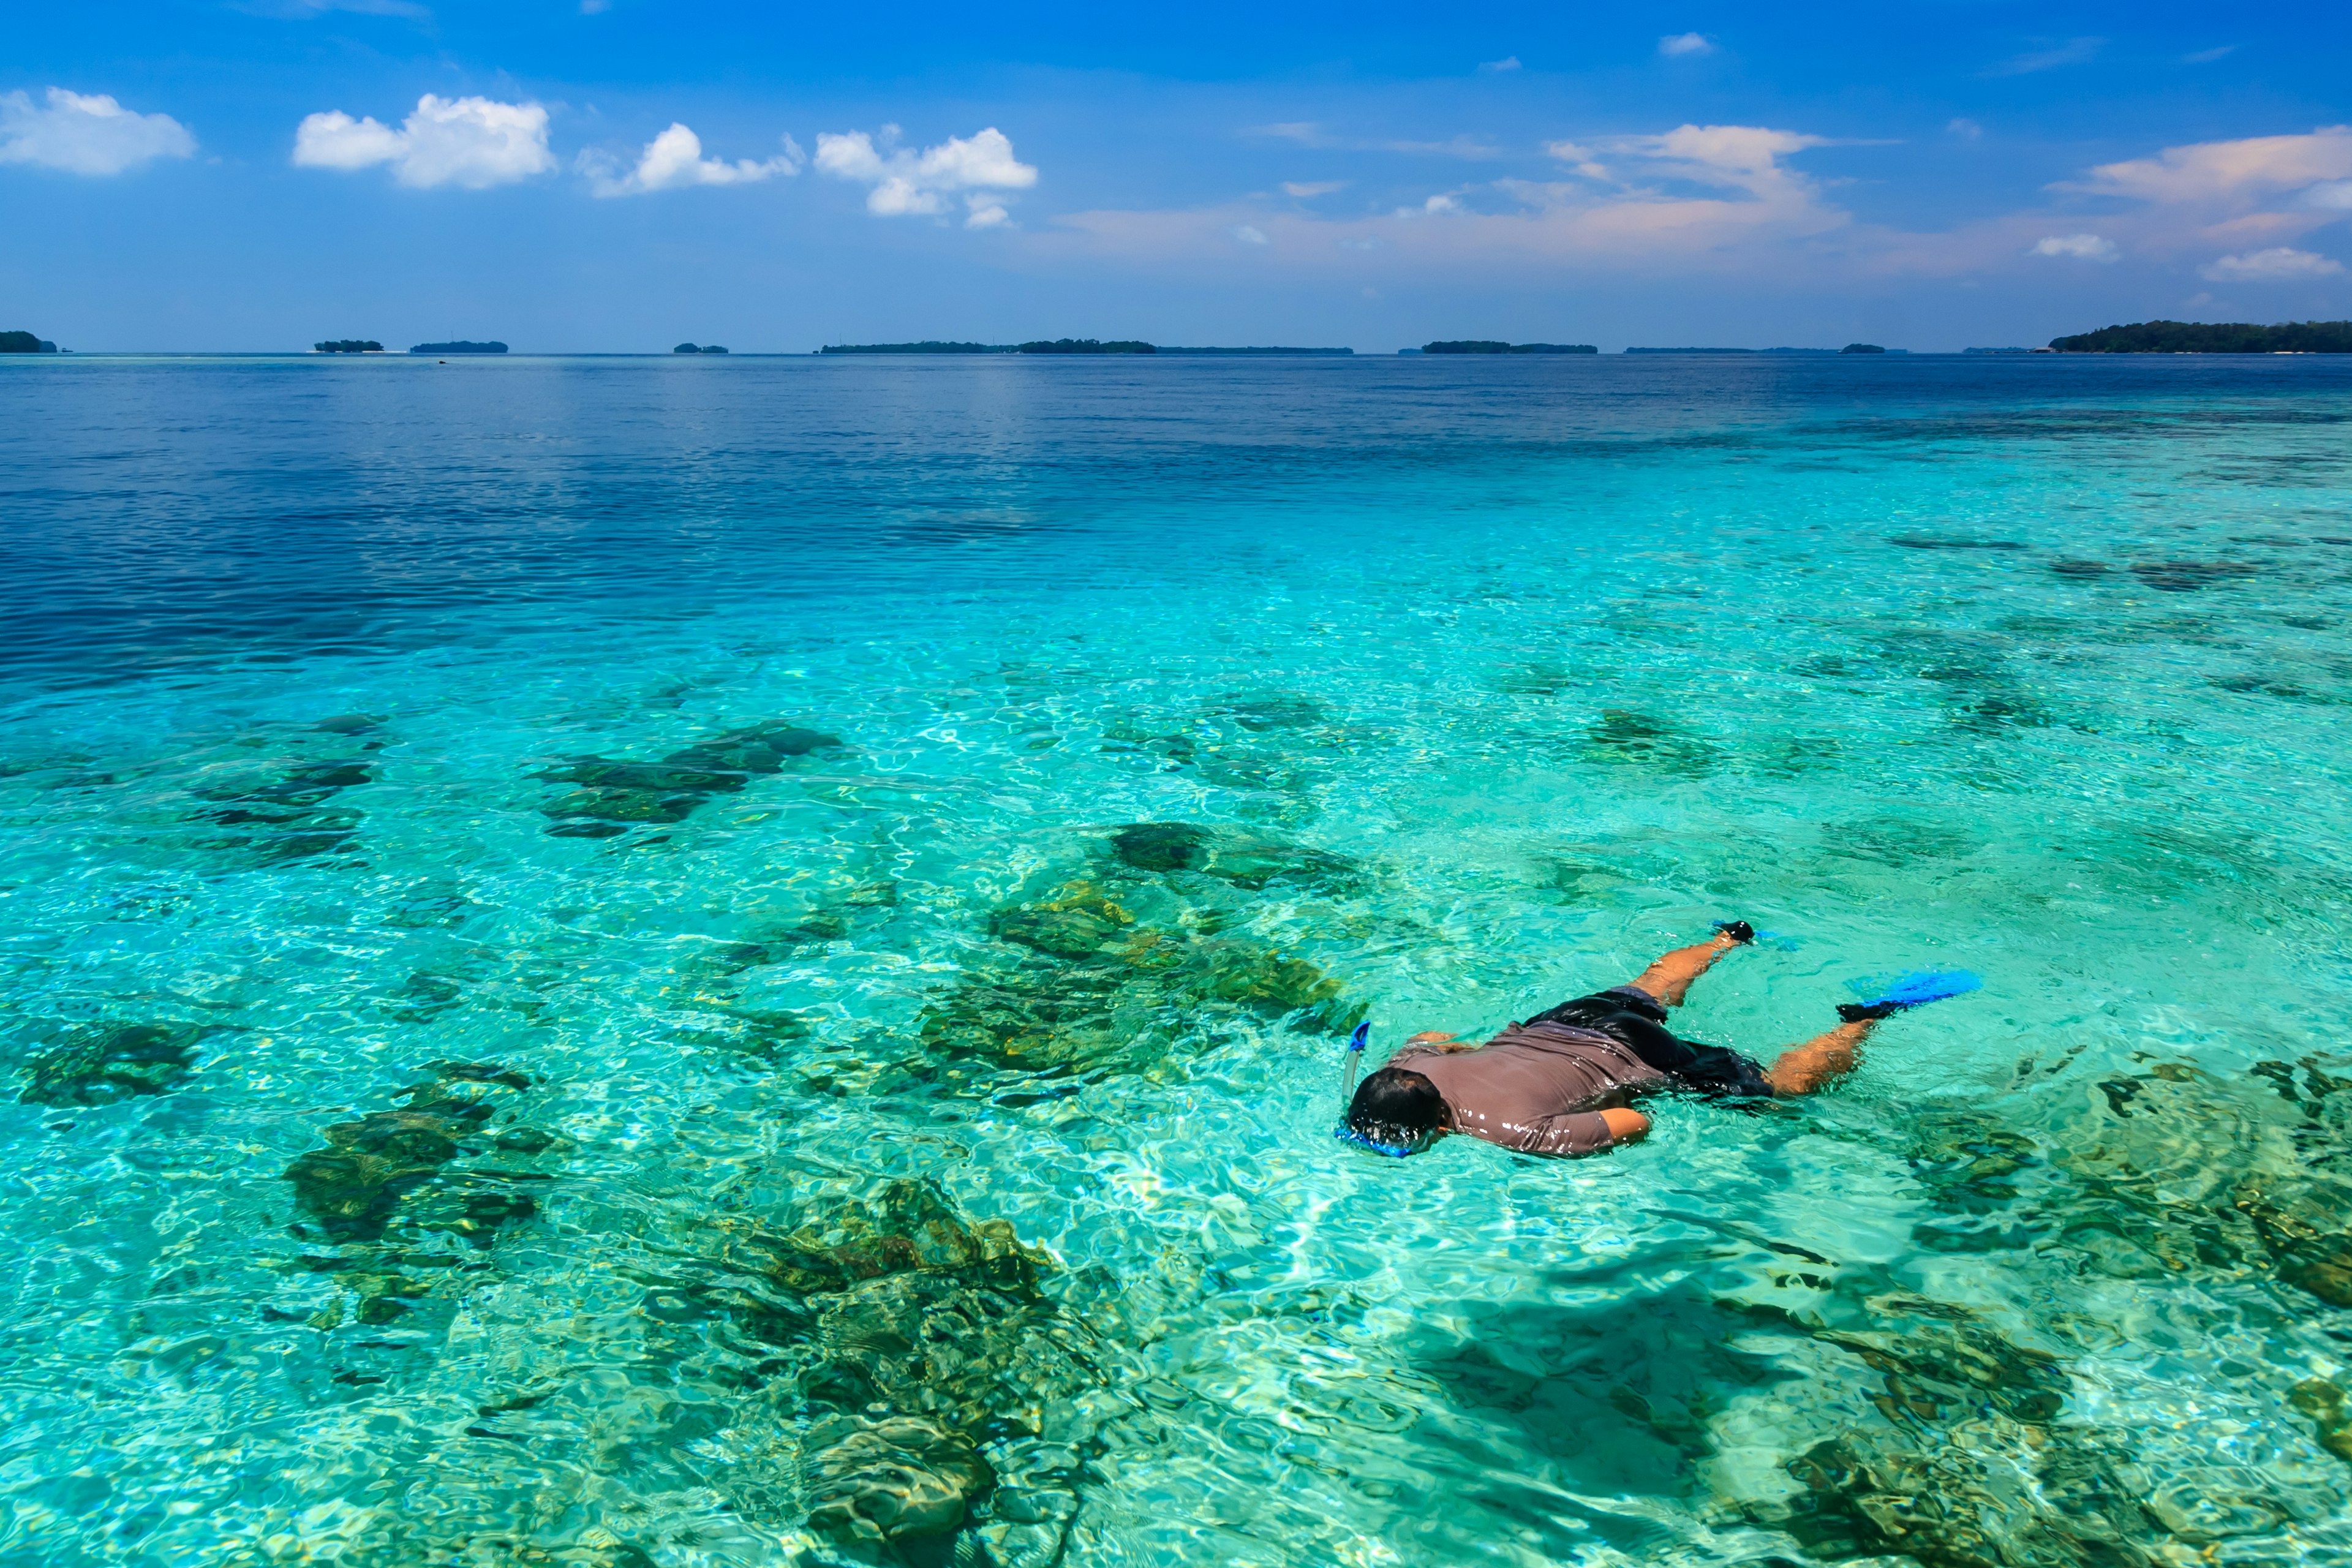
(1820, 1060)
(1669, 978)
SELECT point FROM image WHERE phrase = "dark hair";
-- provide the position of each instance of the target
(1396, 1107)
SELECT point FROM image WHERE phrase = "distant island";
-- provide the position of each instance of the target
(1488, 346)
(1055, 346)
(2211, 338)
(1275, 351)
(347, 346)
(694, 349)
(1042, 346)
(1849, 349)
(25, 343)
(458, 348)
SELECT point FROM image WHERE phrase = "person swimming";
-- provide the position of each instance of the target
(1563, 1081)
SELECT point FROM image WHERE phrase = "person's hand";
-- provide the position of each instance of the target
(1439, 1040)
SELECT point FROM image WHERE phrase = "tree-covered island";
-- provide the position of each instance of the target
(25, 343)
(1041, 346)
(2211, 338)
(347, 346)
(1490, 346)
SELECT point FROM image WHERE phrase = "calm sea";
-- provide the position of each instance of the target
(623, 962)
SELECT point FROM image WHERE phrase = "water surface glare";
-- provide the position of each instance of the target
(724, 962)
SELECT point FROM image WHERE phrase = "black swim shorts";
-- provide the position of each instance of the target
(1633, 1017)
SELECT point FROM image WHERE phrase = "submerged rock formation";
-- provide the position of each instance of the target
(614, 796)
(386, 1169)
(923, 1358)
(99, 1064)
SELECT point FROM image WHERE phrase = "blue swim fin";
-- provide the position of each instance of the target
(1916, 989)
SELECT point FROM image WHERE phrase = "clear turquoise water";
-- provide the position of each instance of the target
(862, 1158)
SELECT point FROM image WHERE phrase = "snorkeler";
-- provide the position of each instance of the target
(1562, 1082)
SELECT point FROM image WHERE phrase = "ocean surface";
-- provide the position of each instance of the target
(616, 963)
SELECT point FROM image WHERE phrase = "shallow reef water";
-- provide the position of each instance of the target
(746, 964)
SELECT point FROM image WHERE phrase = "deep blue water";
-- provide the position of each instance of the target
(578, 986)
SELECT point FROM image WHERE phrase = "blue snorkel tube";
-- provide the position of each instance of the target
(1350, 1060)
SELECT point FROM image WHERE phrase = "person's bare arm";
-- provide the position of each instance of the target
(1669, 978)
(1820, 1061)
(1625, 1125)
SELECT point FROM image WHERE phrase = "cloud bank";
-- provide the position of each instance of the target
(2081, 246)
(2279, 264)
(86, 134)
(1676, 45)
(471, 142)
(905, 183)
(673, 160)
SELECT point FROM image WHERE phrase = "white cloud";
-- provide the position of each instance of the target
(1737, 157)
(1676, 45)
(1507, 63)
(305, 10)
(1696, 198)
(474, 142)
(2073, 52)
(1304, 189)
(2336, 197)
(1310, 134)
(2207, 57)
(2279, 264)
(2081, 246)
(2208, 171)
(673, 160)
(907, 183)
(1250, 233)
(86, 134)
(1967, 129)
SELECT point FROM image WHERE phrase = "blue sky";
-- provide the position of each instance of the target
(620, 175)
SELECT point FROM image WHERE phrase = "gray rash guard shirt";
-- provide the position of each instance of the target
(1536, 1088)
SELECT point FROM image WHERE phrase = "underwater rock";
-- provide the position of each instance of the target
(1061, 928)
(2309, 1237)
(2187, 576)
(760, 749)
(913, 1338)
(99, 1064)
(619, 796)
(837, 918)
(1971, 1468)
(1231, 854)
(1623, 737)
(1098, 988)
(2330, 1410)
(355, 1186)
(1966, 1161)
(1280, 711)
(287, 814)
(1951, 542)
(894, 1480)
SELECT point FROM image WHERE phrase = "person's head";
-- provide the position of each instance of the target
(1397, 1109)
